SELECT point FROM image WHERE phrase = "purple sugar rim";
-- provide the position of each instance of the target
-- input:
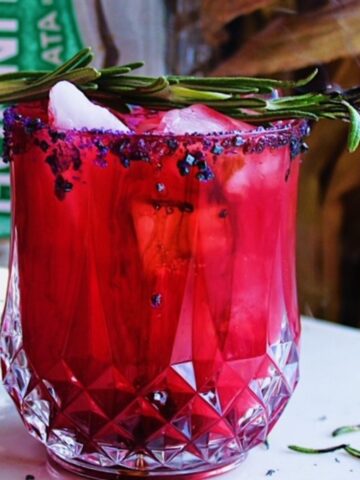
(132, 146)
(298, 128)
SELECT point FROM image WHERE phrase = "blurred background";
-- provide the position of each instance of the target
(277, 38)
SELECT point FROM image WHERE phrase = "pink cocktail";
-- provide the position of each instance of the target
(151, 321)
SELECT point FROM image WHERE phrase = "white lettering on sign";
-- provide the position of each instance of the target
(47, 40)
(49, 22)
(8, 69)
(5, 206)
(53, 55)
(9, 47)
(51, 42)
(9, 25)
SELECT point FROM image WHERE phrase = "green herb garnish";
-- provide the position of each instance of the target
(345, 429)
(344, 446)
(297, 448)
(352, 451)
(347, 448)
(251, 99)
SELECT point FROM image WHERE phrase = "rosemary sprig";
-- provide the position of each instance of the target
(347, 448)
(297, 448)
(251, 99)
(354, 452)
(344, 446)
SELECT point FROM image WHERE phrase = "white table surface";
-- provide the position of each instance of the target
(327, 397)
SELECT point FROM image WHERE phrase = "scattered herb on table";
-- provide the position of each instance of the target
(297, 448)
(344, 446)
(270, 472)
(346, 429)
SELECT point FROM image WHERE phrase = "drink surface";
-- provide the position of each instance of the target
(151, 322)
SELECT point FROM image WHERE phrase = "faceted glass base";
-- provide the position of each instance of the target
(98, 473)
(209, 433)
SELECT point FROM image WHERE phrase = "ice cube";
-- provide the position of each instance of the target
(69, 108)
(142, 120)
(198, 118)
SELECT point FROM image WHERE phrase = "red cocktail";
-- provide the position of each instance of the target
(151, 321)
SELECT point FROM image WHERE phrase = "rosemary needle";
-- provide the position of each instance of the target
(297, 448)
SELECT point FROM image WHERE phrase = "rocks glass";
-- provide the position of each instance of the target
(151, 322)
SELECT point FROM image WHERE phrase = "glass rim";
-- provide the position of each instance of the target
(297, 127)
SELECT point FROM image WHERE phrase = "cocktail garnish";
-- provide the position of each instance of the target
(254, 100)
